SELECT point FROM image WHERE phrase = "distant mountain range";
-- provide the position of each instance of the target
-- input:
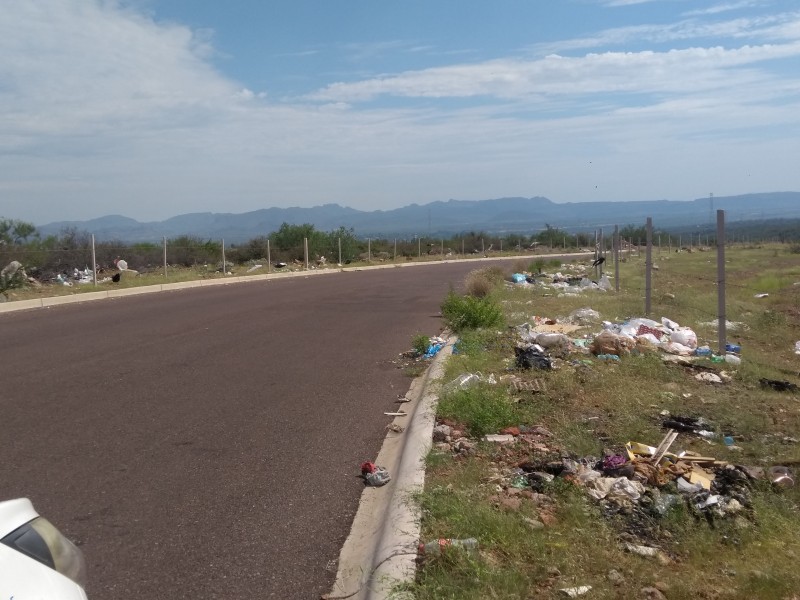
(498, 216)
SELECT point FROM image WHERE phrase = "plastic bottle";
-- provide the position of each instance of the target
(703, 351)
(434, 548)
(735, 348)
(733, 359)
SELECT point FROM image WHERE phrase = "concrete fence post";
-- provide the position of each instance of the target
(94, 263)
(648, 268)
(722, 323)
(616, 257)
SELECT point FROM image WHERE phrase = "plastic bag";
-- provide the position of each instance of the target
(684, 336)
(610, 343)
(551, 340)
(374, 475)
(532, 357)
(584, 316)
(668, 323)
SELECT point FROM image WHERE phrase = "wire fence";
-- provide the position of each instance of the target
(712, 288)
(85, 261)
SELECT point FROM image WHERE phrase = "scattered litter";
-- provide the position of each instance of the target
(467, 380)
(394, 427)
(620, 491)
(255, 268)
(532, 357)
(608, 342)
(435, 547)
(374, 475)
(396, 414)
(535, 386)
(645, 551)
(781, 477)
(584, 316)
(499, 438)
(729, 325)
(708, 377)
(548, 340)
(696, 425)
(732, 359)
(684, 336)
(574, 592)
(778, 386)
(435, 345)
(761, 296)
(797, 347)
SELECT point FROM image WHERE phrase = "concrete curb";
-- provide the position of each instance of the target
(46, 302)
(381, 550)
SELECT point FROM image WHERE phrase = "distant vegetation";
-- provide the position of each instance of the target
(44, 257)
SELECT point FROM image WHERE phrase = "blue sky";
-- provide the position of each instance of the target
(153, 108)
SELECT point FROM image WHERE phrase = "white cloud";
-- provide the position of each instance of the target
(616, 3)
(780, 26)
(721, 8)
(633, 72)
(104, 110)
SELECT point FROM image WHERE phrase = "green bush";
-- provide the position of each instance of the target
(469, 312)
(420, 343)
(537, 265)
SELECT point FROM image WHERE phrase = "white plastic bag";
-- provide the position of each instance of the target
(684, 336)
(551, 340)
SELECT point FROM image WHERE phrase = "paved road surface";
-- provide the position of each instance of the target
(206, 443)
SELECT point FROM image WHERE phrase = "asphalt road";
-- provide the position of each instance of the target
(206, 443)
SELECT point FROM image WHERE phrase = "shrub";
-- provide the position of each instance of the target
(469, 312)
(480, 283)
(537, 265)
(420, 343)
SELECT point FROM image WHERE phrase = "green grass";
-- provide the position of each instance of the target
(599, 407)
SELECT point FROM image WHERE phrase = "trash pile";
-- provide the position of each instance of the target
(78, 277)
(642, 483)
(572, 284)
(636, 486)
(546, 339)
(435, 344)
